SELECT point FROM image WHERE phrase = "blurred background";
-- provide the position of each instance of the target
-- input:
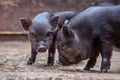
(12, 10)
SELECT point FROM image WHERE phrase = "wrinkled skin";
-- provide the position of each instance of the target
(91, 31)
(40, 35)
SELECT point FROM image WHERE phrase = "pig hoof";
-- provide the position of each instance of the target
(86, 68)
(29, 63)
(104, 70)
(58, 62)
(49, 64)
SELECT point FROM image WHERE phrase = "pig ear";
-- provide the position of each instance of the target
(54, 21)
(67, 32)
(26, 23)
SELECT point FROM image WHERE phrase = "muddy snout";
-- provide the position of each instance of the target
(42, 48)
(63, 61)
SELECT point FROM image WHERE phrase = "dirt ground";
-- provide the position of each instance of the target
(14, 55)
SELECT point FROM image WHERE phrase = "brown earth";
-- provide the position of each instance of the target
(14, 55)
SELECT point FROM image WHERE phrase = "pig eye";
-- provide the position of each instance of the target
(33, 35)
(48, 34)
(63, 47)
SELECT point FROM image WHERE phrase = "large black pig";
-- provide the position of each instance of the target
(91, 31)
(39, 29)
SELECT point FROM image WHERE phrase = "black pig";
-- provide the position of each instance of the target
(91, 31)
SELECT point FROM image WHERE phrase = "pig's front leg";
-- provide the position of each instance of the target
(91, 62)
(52, 48)
(32, 57)
(51, 55)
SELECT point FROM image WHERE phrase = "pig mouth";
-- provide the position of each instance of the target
(42, 49)
(69, 58)
(66, 62)
(63, 61)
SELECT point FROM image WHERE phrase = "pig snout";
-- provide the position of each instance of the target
(42, 47)
(63, 61)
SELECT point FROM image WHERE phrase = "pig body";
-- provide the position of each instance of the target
(91, 31)
(38, 31)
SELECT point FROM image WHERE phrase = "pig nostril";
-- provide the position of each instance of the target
(42, 49)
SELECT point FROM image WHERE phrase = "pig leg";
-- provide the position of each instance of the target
(33, 57)
(52, 49)
(106, 53)
(51, 53)
(91, 62)
(51, 56)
